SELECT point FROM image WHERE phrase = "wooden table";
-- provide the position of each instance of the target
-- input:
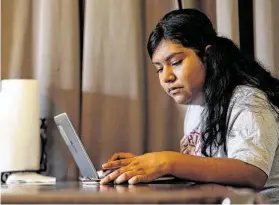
(75, 192)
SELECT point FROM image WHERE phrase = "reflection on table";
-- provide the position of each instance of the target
(75, 192)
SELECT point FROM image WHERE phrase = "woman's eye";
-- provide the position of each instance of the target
(159, 70)
(177, 63)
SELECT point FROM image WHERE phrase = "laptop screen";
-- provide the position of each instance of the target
(75, 146)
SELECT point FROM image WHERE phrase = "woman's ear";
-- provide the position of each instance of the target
(206, 47)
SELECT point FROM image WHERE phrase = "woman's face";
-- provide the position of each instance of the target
(181, 72)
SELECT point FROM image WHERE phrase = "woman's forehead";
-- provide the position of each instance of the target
(165, 48)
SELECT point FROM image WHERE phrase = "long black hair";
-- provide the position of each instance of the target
(226, 67)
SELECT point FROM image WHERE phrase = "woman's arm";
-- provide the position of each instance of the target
(150, 166)
(218, 170)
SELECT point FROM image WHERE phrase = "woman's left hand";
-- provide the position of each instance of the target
(144, 168)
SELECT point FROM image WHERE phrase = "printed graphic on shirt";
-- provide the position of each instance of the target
(191, 144)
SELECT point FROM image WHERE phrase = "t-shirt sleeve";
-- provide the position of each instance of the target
(253, 137)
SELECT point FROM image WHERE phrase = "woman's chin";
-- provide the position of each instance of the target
(181, 99)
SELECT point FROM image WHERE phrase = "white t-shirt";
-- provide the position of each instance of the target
(253, 137)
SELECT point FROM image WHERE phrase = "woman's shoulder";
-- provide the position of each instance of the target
(251, 105)
(246, 96)
(246, 91)
(250, 110)
(249, 101)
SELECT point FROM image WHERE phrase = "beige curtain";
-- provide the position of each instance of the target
(40, 40)
(114, 100)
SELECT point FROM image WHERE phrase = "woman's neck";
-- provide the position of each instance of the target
(198, 99)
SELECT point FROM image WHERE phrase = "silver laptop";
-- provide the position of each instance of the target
(87, 169)
(67, 131)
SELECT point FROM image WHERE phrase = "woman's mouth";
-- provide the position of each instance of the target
(175, 90)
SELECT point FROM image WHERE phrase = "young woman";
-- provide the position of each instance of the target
(231, 126)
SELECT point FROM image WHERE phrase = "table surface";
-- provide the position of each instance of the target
(75, 192)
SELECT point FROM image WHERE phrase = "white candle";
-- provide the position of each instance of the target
(19, 125)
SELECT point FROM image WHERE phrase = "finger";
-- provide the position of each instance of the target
(121, 155)
(127, 175)
(114, 175)
(139, 178)
(117, 163)
(116, 156)
(106, 172)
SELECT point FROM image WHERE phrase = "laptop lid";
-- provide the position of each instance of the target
(75, 146)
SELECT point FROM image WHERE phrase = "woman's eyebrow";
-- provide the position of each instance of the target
(156, 63)
(169, 57)
(172, 55)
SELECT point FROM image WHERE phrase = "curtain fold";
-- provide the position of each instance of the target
(227, 19)
(112, 109)
(266, 30)
(15, 17)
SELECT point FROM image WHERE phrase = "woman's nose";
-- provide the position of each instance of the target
(168, 75)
